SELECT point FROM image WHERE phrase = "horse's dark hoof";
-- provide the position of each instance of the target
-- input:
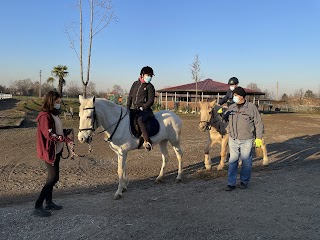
(159, 181)
(179, 180)
(117, 197)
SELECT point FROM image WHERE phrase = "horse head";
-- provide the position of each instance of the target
(206, 111)
(88, 119)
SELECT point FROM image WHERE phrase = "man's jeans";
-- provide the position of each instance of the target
(240, 149)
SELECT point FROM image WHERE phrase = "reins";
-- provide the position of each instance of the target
(70, 146)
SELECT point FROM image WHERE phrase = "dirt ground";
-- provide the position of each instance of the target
(282, 201)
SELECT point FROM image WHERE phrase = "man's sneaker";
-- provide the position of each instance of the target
(229, 188)
(243, 185)
(41, 212)
(53, 206)
(147, 146)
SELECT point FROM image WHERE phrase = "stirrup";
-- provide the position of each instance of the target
(147, 146)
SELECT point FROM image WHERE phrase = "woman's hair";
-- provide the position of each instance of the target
(48, 102)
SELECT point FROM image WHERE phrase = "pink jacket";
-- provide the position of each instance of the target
(46, 137)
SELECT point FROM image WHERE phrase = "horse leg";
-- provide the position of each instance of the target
(207, 159)
(223, 152)
(165, 156)
(122, 156)
(265, 161)
(178, 151)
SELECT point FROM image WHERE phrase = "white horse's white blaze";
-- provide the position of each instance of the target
(107, 116)
(214, 137)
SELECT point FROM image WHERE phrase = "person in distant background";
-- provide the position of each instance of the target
(50, 139)
(141, 96)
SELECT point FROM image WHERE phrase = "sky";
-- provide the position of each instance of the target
(262, 42)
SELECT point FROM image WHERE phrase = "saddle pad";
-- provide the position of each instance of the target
(152, 126)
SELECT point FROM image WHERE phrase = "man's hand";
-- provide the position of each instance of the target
(141, 108)
(220, 111)
(258, 142)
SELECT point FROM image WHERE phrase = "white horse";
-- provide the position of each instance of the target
(114, 119)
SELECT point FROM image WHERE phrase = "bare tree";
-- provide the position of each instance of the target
(73, 89)
(299, 94)
(100, 16)
(254, 86)
(117, 89)
(92, 88)
(195, 71)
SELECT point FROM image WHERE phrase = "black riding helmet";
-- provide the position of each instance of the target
(233, 81)
(147, 70)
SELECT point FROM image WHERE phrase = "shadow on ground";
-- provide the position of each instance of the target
(293, 153)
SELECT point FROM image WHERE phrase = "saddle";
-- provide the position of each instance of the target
(152, 126)
(218, 122)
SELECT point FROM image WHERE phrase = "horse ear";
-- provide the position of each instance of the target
(94, 98)
(80, 98)
(213, 103)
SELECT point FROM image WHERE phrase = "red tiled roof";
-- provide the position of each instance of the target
(206, 86)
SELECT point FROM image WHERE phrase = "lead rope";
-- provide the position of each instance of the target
(70, 147)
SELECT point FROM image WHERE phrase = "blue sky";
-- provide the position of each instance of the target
(262, 42)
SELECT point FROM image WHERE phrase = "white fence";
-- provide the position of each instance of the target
(5, 96)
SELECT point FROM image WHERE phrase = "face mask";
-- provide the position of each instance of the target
(57, 106)
(236, 99)
(232, 88)
(147, 79)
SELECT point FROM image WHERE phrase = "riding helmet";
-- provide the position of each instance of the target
(147, 70)
(233, 81)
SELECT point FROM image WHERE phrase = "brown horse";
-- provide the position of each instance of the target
(212, 121)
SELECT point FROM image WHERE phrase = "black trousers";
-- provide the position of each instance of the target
(52, 179)
(142, 118)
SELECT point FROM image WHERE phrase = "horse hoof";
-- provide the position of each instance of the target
(160, 180)
(124, 189)
(219, 168)
(117, 197)
(208, 168)
(178, 180)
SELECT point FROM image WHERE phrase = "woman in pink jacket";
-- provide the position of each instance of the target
(50, 139)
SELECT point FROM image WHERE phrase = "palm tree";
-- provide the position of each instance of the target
(60, 72)
(50, 80)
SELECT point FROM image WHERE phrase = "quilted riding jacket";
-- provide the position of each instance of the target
(141, 95)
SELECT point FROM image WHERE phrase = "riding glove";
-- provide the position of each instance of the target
(258, 142)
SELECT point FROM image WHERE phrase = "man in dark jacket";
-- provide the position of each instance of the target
(141, 98)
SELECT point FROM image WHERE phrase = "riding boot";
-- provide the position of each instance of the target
(148, 145)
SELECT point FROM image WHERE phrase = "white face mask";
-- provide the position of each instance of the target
(232, 88)
(236, 99)
(57, 106)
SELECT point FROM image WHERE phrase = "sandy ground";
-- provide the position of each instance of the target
(282, 201)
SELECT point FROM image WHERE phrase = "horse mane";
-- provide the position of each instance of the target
(106, 101)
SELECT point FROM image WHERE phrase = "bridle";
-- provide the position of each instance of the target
(92, 122)
(207, 122)
(95, 122)
(212, 119)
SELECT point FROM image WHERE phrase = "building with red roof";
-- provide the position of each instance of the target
(185, 96)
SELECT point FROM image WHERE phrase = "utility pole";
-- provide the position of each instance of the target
(40, 86)
(277, 90)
